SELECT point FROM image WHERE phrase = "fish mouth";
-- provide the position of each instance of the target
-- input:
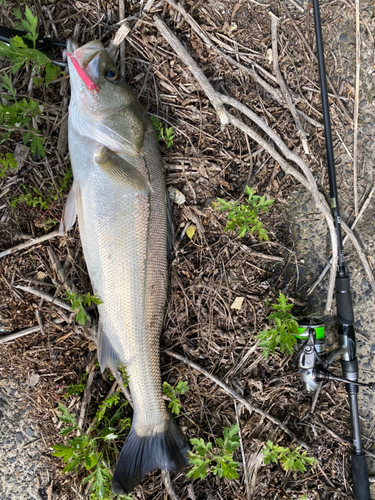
(86, 53)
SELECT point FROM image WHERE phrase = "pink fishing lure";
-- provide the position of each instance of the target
(91, 85)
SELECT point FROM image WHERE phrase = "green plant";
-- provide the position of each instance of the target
(165, 134)
(282, 334)
(32, 198)
(124, 374)
(66, 181)
(35, 198)
(19, 115)
(219, 460)
(28, 24)
(245, 217)
(91, 451)
(289, 460)
(171, 392)
(79, 302)
(6, 162)
(76, 389)
(18, 52)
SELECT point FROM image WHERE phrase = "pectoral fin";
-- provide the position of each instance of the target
(120, 170)
(73, 207)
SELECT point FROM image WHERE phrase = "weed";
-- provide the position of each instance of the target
(6, 162)
(28, 24)
(79, 302)
(245, 217)
(165, 134)
(35, 198)
(171, 393)
(124, 373)
(289, 460)
(76, 389)
(32, 199)
(18, 115)
(65, 182)
(92, 452)
(218, 461)
(20, 54)
(282, 334)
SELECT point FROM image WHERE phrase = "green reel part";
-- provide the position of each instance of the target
(303, 331)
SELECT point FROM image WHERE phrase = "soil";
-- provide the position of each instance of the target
(209, 271)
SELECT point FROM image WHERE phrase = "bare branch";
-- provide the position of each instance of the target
(249, 406)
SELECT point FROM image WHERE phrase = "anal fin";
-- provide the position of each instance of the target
(107, 356)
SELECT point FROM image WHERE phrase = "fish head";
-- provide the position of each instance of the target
(109, 112)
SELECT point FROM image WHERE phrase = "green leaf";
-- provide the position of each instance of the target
(36, 145)
(7, 84)
(190, 231)
(6, 162)
(204, 459)
(181, 387)
(17, 43)
(66, 430)
(62, 451)
(283, 333)
(170, 392)
(244, 217)
(91, 461)
(51, 72)
(289, 460)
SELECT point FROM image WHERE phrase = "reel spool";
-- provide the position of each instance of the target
(311, 351)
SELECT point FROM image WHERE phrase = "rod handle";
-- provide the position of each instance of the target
(361, 485)
(345, 315)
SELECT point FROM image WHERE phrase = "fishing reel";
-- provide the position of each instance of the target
(313, 361)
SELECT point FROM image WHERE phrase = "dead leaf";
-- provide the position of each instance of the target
(237, 304)
(33, 379)
(269, 56)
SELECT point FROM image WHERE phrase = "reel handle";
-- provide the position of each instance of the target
(361, 485)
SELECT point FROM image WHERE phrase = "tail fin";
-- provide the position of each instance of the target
(142, 454)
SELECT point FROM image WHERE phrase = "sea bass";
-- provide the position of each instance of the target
(119, 195)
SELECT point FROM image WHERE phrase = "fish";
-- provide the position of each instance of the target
(119, 196)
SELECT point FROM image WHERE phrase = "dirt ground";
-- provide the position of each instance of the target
(210, 271)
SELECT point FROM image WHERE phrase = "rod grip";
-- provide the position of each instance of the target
(361, 485)
(345, 315)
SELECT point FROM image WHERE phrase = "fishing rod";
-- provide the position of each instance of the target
(313, 361)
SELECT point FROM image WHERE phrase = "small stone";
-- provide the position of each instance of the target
(176, 195)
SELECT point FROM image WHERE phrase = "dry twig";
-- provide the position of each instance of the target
(249, 406)
(21, 333)
(325, 270)
(283, 87)
(45, 296)
(312, 54)
(274, 93)
(29, 243)
(245, 469)
(168, 484)
(86, 397)
(307, 180)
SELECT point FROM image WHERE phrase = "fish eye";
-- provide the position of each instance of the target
(112, 75)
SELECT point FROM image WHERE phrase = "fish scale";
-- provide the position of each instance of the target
(119, 193)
